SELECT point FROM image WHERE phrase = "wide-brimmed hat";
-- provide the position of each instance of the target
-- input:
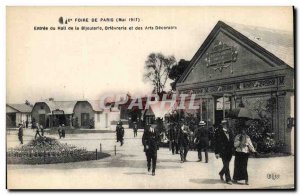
(202, 123)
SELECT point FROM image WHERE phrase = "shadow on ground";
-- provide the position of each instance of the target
(206, 181)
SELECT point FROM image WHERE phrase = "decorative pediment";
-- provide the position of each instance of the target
(227, 53)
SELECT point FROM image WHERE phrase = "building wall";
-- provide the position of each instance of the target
(103, 120)
(41, 108)
(83, 107)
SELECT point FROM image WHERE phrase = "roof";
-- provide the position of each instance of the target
(24, 108)
(96, 105)
(278, 42)
(66, 106)
(275, 45)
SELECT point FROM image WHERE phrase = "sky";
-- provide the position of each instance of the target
(73, 65)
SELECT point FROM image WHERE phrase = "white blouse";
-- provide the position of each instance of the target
(246, 147)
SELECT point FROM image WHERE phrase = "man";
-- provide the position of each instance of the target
(183, 140)
(26, 123)
(63, 131)
(135, 129)
(42, 130)
(59, 131)
(172, 138)
(223, 148)
(202, 140)
(37, 131)
(150, 141)
(120, 133)
(20, 133)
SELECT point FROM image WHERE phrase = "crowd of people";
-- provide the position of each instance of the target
(225, 145)
(39, 131)
(181, 137)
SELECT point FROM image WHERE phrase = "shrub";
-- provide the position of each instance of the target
(45, 150)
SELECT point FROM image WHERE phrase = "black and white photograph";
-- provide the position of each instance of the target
(150, 98)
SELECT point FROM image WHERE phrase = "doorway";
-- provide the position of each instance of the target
(85, 118)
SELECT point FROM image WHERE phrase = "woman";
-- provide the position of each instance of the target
(243, 146)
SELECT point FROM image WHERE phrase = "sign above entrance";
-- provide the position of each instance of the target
(57, 112)
(221, 56)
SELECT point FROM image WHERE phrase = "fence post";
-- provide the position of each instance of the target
(115, 150)
(44, 156)
(96, 154)
(100, 147)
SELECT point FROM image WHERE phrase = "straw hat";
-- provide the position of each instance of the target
(224, 121)
(201, 123)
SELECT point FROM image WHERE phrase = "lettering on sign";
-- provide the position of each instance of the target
(221, 56)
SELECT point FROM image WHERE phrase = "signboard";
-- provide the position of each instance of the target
(220, 55)
(57, 112)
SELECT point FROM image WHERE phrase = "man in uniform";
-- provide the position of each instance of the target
(224, 148)
(120, 133)
(150, 141)
(135, 129)
(202, 140)
(20, 133)
(183, 141)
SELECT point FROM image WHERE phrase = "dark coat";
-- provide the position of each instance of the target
(202, 137)
(224, 146)
(183, 139)
(20, 132)
(172, 132)
(150, 141)
(135, 127)
(120, 132)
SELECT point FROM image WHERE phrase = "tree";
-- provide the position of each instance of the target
(176, 72)
(157, 69)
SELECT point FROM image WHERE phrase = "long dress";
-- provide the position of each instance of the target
(243, 146)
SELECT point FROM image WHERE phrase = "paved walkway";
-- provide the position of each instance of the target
(127, 169)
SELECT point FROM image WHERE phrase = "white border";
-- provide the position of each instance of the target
(5, 3)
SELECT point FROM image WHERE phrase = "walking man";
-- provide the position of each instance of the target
(26, 123)
(172, 137)
(150, 141)
(59, 130)
(120, 133)
(20, 133)
(223, 148)
(63, 131)
(42, 130)
(202, 141)
(37, 131)
(183, 139)
(135, 129)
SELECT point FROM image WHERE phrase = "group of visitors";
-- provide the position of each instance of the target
(39, 131)
(225, 145)
(241, 143)
(181, 139)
